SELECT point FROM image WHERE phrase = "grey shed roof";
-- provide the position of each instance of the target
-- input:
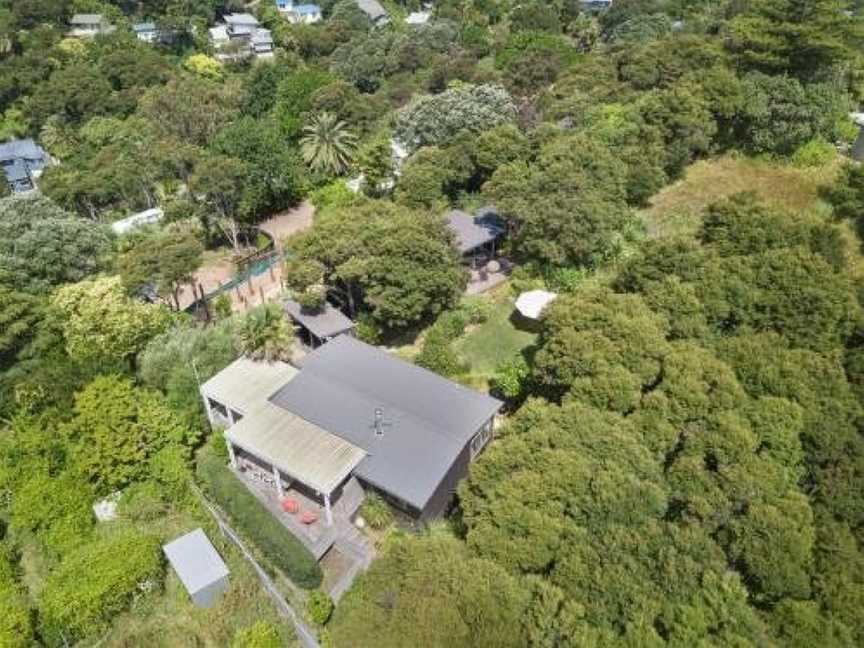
(25, 148)
(85, 19)
(17, 171)
(144, 27)
(195, 560)
(427, 420)
(372, 8)
(473, 231)
(324, 323)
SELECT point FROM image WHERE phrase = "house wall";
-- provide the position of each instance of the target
(209, 596)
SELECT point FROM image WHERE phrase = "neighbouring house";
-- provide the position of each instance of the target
(199, 567)
(476, 235)
(243, 35)
(374, 11)
(595, 5)
(353, 417)
(146, 32)
(299, 13)
(22, 162)
(133, 222)
(89, 25)
(318, 326)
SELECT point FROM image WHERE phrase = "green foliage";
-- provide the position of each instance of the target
(166, 260)
(429, 591)
(265, 334)
(814, 154)
(282, 550)
(395, 263)
(437, 353)
(259, 635)
(177, 361)
(335, 195)
(100, 321)
(511, 378)
(16, 622)
(319, 607)
(42, 246)
(376, 512)
(568, 207)
(94, 583)
(435, 119)
(19, 315)
(327, 144)
(117, 428)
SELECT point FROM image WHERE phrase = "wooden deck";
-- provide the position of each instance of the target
(317, 537)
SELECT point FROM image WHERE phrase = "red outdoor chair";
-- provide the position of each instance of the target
(309, 517)
(290, 506)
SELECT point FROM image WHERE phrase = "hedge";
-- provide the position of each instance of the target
(276, 543)
(95, 582)
(16, 627)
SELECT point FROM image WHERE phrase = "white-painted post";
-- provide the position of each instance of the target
(276, 476)
(327, 512)
(231, 456)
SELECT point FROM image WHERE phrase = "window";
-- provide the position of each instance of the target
(481, 439)
(218, 407)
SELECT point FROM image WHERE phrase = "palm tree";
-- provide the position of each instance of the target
(327, 144)
(266, 335)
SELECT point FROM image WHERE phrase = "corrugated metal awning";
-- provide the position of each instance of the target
(299, 449)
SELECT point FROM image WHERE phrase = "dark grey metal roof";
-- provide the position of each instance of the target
(86, 19)
(426, 420)
(473, 231)
(144, 27)
(324, 323)
(195, 560)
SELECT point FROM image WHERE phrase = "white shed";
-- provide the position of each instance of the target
(198, 565)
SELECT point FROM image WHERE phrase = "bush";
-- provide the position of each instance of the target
(376, 512)
(510, 379)
(319, 607)
(95, 582)
(16, 627)
(259, 635)
(476, 309)
(281, 549)
(815, 153)
(368, 330)
(336, 194)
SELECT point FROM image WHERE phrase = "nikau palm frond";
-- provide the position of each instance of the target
(327, 145)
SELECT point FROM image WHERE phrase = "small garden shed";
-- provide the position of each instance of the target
(198, 565)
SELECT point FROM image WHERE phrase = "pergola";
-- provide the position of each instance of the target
(475, 232)
(322, 324)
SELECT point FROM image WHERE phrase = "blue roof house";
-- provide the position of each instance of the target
(22, 161)
(299, 13)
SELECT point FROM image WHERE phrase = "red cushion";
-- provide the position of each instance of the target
(290, 506)
(309, 517)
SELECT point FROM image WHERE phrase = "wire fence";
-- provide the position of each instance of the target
(306, 635)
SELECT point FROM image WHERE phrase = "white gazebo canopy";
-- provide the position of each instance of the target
(531, 303)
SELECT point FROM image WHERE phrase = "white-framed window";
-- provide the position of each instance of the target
(479, 441)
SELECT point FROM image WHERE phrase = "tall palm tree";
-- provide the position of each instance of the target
(265, 334)
(327, 144)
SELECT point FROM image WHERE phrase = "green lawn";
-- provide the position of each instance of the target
(495, 341)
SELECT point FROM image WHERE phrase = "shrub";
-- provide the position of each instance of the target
(281, 549)
(815, 153)
(368, 330)
(95, 582)
(259, 635)
(16, 627)
(319, 607)
(336, 194)
(376, 511)
(476, 309)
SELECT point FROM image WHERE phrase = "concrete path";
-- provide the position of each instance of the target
(283, 225)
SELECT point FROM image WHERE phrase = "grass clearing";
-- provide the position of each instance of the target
(485, 346)
(677, 208)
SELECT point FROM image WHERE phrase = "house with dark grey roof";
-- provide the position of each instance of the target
(476, 235)
(319, 325)
(89, 25)
(243, 35)
(353, 414)
(374, 11)
(22, 162)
